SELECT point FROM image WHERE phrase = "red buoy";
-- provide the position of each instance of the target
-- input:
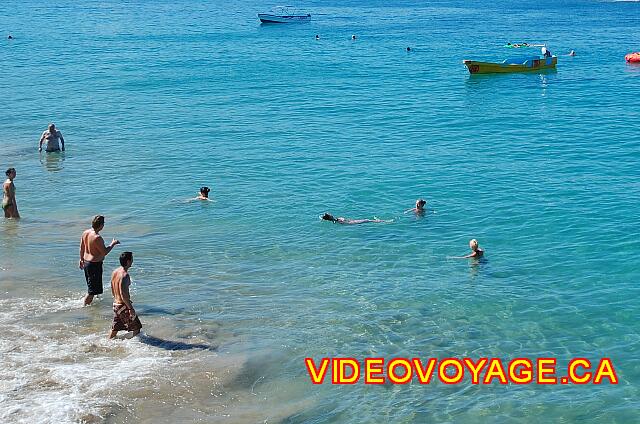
(633, 57)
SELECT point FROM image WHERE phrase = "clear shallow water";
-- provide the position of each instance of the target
(158, 98)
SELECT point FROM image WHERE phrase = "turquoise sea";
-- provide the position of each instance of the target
(157, 98)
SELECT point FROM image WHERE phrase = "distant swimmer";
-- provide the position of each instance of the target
(10, 37)
(345, 221)
(572, 53)
(545, 52)
(353, 37)
(317, 37)
(204, 194)
(476, 251)
(408, 49)
(419, 209)
(124, 316)
(9, 205)
(54, 139)
(92, 254)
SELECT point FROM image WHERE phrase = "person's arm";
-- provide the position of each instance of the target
(40, 142)
(82, 250)
(61, 140)
(124, 290)
(106, 249)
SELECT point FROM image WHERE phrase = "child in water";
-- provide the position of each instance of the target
(476, 251)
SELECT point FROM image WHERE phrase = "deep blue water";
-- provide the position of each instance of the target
(156, 98)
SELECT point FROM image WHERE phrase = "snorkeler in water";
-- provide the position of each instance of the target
(419, 209)
(204, 194)
(345, 221)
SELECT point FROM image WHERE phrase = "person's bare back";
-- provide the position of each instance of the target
(120, 282)
(94, 248)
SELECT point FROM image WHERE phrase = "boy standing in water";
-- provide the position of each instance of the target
(124, 316)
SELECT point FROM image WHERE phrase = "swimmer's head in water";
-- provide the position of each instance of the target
(10, 172)
(98, 222)
(317, 37)
(52, 127)
(328, 217)
(126, 259)
(353, 37)
(420, 203)
(473, 244)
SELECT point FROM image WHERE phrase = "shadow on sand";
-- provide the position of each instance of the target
(172, 344)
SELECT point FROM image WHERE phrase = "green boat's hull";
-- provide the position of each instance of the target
(533, 65)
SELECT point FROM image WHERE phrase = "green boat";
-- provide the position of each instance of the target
(522, 64)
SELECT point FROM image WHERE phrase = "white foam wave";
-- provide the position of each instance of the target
(63, 372)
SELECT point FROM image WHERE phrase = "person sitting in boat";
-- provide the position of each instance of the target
(345, 221)
(546, 52)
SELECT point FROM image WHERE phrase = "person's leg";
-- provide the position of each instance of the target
(135, 327)
(112, 334)
(93, 275)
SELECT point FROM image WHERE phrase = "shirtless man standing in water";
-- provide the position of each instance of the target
(92, 254)
(124, 316)
(54, 139)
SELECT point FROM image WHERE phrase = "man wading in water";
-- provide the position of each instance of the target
(54, 139)
(92, 254)
(124, 316)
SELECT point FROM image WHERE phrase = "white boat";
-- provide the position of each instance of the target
(282, 15)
